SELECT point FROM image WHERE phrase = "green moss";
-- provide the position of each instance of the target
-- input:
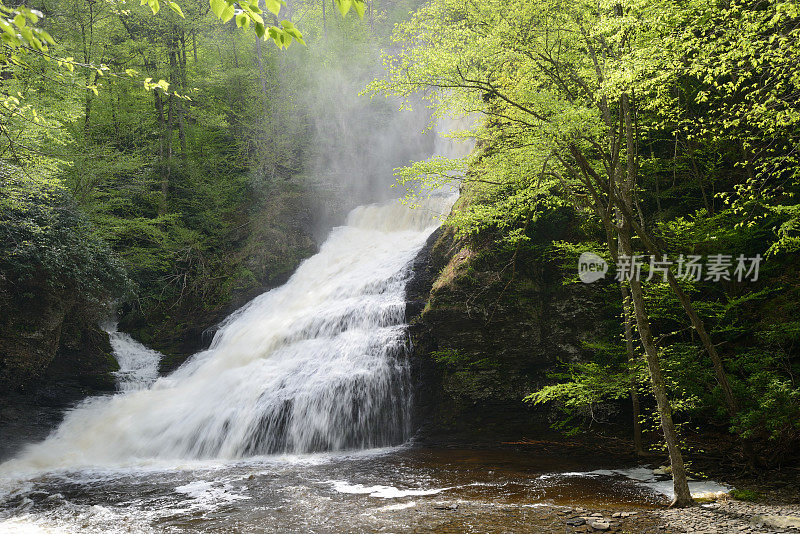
(746, 495)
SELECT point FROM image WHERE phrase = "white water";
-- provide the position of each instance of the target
(317, 364)
(138, 365)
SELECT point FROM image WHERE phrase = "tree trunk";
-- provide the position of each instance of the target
(371, 16)
(162, 167)
(262, 75)
(114, 103)
(166, 171)
(627, 313)
(683, 496)
(182, 104)
(697, 323)
(627, 317)
(87, 105)
(324, 20)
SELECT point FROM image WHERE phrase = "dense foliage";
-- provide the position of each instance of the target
(47, 244)
(669, 128)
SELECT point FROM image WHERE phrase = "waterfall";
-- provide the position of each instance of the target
(316, 364)
(138, 365)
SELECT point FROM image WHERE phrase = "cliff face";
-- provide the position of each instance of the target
(52, 355)
(487, 328)
(54, 342)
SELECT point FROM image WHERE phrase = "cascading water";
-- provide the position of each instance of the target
(138, 365)
(317, 364)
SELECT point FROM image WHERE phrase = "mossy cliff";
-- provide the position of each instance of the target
(52, 355)
(487, 327)
(56, 278)
(52, 344)
(264, 242)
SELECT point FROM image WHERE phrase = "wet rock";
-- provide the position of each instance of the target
(528, 324)
(576, 521)
(24, 506)
(447, 507)
(10, 414)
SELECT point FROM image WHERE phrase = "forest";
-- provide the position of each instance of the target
(654, 129)
(517, 226)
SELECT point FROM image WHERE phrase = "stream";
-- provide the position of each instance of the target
(401, 489)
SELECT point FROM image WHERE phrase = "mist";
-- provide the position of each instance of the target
(354, 141)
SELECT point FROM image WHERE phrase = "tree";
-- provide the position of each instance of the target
(552, 81)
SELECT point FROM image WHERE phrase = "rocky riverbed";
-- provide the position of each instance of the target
(727, 516)
(723, 517)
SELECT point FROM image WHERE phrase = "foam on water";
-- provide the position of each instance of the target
(645, 477)
(381, 492)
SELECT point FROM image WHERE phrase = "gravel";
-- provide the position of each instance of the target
(730, 516)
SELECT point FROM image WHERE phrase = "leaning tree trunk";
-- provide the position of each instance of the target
(697, 323)
(627, 318)
(162, 135)
(683, 496)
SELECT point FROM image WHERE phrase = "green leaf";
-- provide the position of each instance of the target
(344, 6)
(297, 36)
(273, 6)
(242, 21)
(177, 9)
(7, 27)
(360, 7)
(276, 34)
(292, 31)
(227, 13)
(46, 36)
(27, 34)
(255, 17)
(218, 6)
(260, 29)
(11, 40)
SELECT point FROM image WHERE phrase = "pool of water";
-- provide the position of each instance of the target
(403, 489)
